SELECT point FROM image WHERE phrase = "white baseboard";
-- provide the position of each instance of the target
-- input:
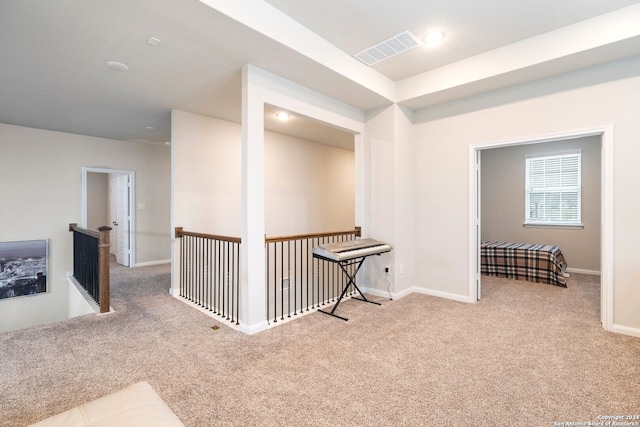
(404, 293)
(150, 263)
(254, 329)
(582, 271)
(375, 292)
(446, 295)
(385, 294)
(626, 330)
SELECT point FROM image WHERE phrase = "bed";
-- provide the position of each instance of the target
(524, 261)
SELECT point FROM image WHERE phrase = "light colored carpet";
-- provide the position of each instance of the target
(528, 354)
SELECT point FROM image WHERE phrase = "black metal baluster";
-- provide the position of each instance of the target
(307, 275)
(198, 271)
(289, 278)
(226, 271)
(195, 270)
(218, 277)
(185, 266)
(333, 283)
(238, 283)
(221, 277)
(192, 269)
(182, 267)
(281, 281)
(221, 309)
(266, 274)
(212, 274)
(188, 281)
(234, 295)
(315, 277)
(325, 277)
(275, 282)
(203, 272)
(193, 258)
(208, 273)
(233, 289)
(319, 271)
(320, 276)
(181, 273)
(295, 278)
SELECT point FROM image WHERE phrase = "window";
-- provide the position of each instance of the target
(552, 190)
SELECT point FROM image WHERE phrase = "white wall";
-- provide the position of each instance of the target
(206, 174)
(309, 187)
(596, 97)
(503, 200)
(40, 175)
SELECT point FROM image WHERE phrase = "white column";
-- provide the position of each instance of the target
(252, 258)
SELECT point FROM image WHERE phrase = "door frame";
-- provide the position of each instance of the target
(131, 174)
(606, 208)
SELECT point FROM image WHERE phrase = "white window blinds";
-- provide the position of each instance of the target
(552, 190)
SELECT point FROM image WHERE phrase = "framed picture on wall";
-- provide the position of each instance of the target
(23, 268)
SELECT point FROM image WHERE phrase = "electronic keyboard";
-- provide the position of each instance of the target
(350, 249)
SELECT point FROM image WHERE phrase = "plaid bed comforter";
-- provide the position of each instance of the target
(523, 261)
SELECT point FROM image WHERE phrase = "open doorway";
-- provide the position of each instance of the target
(604, 180)
(107, 199)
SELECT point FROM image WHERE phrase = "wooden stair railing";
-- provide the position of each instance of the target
(209, 275)
(91, 263)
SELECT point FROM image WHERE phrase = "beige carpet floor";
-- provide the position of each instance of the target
(527, 354)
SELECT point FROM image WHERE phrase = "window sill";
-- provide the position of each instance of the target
(557, 226)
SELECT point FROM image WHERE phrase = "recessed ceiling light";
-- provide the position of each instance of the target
(117, 66)
(433, 39)
(151, 128)
(153, 41)
(282, 116)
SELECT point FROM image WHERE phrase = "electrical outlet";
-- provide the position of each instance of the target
(284, 283)
(387, 270)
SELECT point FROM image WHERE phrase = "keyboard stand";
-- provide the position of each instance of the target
(352, 281)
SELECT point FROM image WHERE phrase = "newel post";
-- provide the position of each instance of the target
(103, 259)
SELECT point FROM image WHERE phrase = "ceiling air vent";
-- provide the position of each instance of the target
(388, 48)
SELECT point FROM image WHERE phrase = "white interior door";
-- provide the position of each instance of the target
(122, 220)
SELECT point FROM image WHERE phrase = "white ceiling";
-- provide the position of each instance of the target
(471, 27)
(53, 54)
